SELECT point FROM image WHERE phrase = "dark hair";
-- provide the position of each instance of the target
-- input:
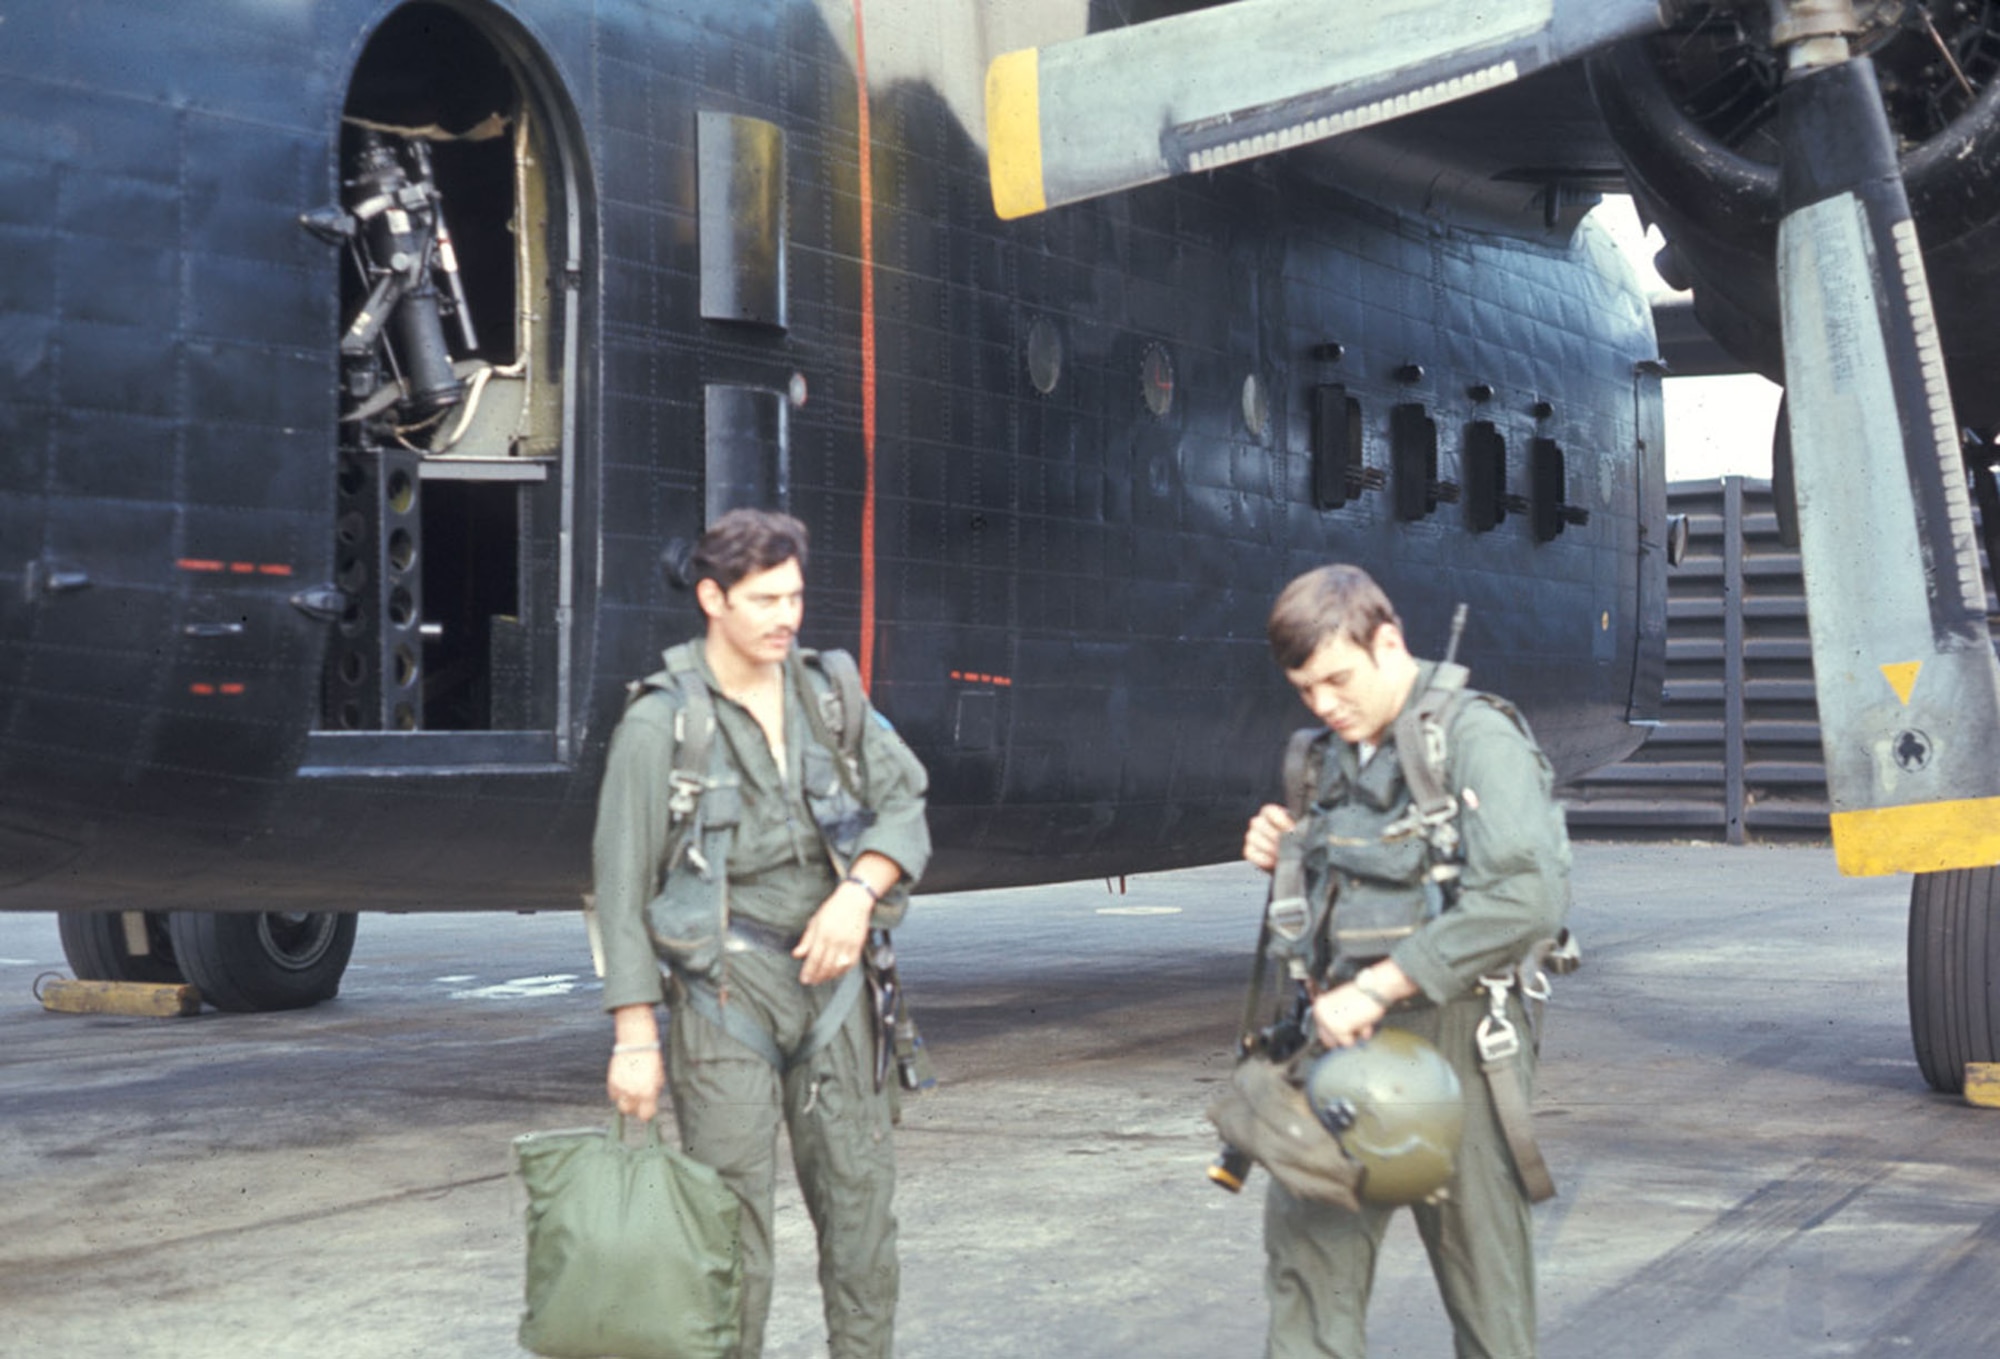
(1328, 601)
(745, 541)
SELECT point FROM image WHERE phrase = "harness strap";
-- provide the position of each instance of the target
(734, 1022)
(846, 992)
(1420, 731)
(1287, 892)
(1253, 1002)
(1499, 1043)
(738, 1025)
(836, 722)
(1300, 770)
(1510, 1106)
(841, 709)
(694, 737)
(764, 936)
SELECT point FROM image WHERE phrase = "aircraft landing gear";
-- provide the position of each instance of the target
(1954, 972)
(269, 960)
(98, 948)
(273, 960)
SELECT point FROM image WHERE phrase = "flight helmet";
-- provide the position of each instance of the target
(1397, 1110)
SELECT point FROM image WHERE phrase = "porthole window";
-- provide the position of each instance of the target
(1256, 407)
(1156, 376)
(1045, 354)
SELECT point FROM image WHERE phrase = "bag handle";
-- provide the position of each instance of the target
(616, 1132)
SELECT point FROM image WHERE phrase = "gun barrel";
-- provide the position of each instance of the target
(1458, 616)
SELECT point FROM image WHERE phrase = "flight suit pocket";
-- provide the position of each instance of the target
(686, 923)
(1378, 887)
(689, 915)
(838, 813)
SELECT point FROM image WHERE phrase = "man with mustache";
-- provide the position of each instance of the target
(756, 879)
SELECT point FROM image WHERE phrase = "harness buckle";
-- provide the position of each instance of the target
(1403, 827)
(1440, 823)
(1288, 917)
(1498, 1040)
(1563, 955)
(684, 795)
(1497, 1037)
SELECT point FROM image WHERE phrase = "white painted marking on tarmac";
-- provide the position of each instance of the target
(523, 988)
(458, 979)
(1138, 910)
(17, 962)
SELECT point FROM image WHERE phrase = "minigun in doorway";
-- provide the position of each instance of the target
(394, 351)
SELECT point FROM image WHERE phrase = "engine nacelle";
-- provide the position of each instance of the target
(1694, 113)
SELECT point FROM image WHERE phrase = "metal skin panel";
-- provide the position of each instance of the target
(1084, 576)
(743, 218)
(747, 458)
(1909, 689)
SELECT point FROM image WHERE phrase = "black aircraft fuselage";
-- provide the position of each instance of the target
(280, 634)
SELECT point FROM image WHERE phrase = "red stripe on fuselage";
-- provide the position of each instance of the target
(867, 359)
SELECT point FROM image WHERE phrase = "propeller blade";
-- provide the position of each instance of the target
(1909, 689)
(1204, 89)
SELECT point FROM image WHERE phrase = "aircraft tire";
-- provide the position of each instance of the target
(1954, 969)
(277, 960)
(94, 944)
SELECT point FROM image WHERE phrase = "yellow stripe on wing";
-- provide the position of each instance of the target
(1923, 837)
(1014, 133)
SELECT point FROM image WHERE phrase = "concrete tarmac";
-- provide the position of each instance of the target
(1749, 1161)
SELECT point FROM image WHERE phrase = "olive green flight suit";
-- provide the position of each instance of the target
(728, 1100)
(1513, 891)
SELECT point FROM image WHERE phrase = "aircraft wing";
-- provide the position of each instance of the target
(1909, 688)
(1205, 89)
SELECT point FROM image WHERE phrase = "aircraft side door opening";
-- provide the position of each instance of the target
(450, 480)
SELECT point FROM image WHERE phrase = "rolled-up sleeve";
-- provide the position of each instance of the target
(1514, 883)
(896, 783)
(627, 849)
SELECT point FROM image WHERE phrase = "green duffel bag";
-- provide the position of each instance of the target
(632, 1250)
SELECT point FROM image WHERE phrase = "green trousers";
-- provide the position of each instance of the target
(728, 1102)
(1320, 1260)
